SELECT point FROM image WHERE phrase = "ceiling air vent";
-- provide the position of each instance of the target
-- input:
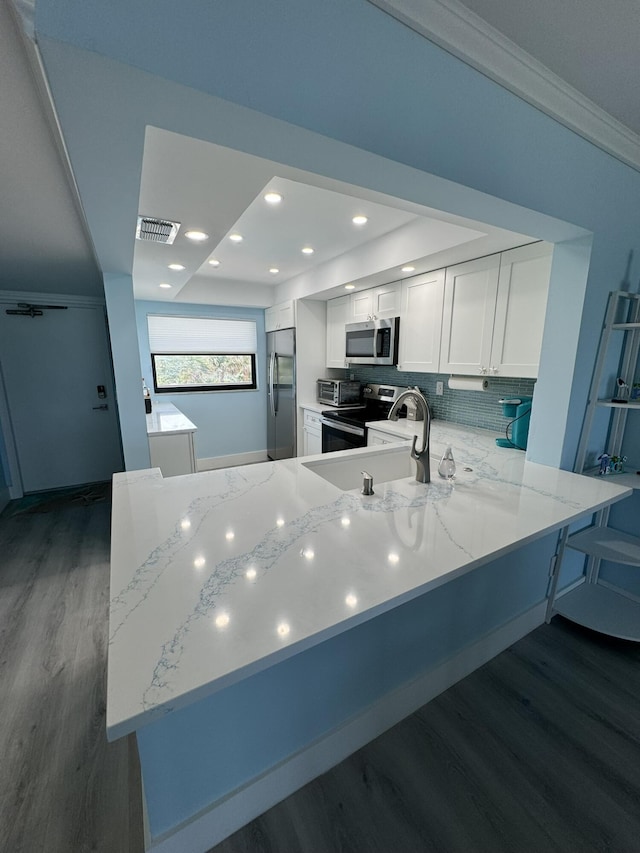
(156, 230)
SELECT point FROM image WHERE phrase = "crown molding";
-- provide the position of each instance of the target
(464, 34)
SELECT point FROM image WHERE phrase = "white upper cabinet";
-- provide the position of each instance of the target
(421, 322)
(281, 316)
(520, 310)
(468, 315)
(376, 303)
(494, 310)
(338, 315)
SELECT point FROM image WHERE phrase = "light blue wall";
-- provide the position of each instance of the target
(228, 422)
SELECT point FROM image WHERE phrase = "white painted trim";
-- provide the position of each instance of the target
(211, 463)
(50, 298)
(211, 826)
(469, 37)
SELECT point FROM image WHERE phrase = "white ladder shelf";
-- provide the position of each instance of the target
(592, 602)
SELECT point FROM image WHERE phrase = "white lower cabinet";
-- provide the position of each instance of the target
(173, 454)
(376, 437)
(421, 323)
(312, 430)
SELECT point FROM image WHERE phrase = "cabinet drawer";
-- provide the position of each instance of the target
(312, 419)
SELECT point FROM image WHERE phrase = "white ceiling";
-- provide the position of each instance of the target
(220, 191)
(45, 246)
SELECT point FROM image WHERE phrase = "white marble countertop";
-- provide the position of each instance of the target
(219, 575)
(314, 407)
(166, 419)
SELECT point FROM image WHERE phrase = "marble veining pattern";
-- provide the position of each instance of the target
(218, 575)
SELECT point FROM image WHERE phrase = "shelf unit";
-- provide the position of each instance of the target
(592, 602)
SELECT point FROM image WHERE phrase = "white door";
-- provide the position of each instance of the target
(65, 432)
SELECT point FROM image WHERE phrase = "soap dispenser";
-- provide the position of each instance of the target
(447, 466)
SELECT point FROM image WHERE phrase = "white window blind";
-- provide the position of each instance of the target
(200, 335)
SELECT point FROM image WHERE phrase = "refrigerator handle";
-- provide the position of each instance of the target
(272, 364)
(277, 383)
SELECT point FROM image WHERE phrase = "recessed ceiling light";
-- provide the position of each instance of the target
(236, 238)
(360, 220)
(214, 262)
(273, 198)
(274, 270)
(196, 236)
(176, 267)
(165, 285)
(307, 250)
(349, 287)
(408, 269)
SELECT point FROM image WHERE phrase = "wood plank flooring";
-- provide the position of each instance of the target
(62, 787)
(537, 751)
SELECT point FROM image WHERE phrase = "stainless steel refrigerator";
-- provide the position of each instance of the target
(281, 394)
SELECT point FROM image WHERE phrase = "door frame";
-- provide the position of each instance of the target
(10, 297)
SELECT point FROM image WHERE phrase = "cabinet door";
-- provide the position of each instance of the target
(375, 439)
(421, 323)
(312, 442)
(338, 314)
(270, 319)
(468, 314)
(386, 300)
(361, 306)
(286, 315)
(520, 310)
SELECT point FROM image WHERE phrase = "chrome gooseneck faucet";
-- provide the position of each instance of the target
(423, 471)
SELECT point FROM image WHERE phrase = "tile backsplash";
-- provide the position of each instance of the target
(472, 408)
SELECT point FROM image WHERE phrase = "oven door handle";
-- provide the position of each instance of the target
(342, 427)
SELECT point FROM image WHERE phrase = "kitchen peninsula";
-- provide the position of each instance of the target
(265, 623)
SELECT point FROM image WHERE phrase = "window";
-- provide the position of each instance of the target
(202, 354)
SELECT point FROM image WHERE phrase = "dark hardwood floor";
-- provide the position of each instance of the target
(537, 751)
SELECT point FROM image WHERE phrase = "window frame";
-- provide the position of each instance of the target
(194, 389)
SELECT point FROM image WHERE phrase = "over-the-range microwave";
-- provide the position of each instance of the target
(372, 342)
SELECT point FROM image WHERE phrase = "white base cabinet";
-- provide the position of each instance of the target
(312, 441)
(173, 454)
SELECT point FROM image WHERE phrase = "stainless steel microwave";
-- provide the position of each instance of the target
(373, 342)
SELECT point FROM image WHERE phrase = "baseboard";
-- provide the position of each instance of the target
(5, 497)
(215, 823)
(211, 463)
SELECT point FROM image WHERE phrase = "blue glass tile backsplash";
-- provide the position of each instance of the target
(472, 408)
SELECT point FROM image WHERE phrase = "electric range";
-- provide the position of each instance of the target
(343, 429)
